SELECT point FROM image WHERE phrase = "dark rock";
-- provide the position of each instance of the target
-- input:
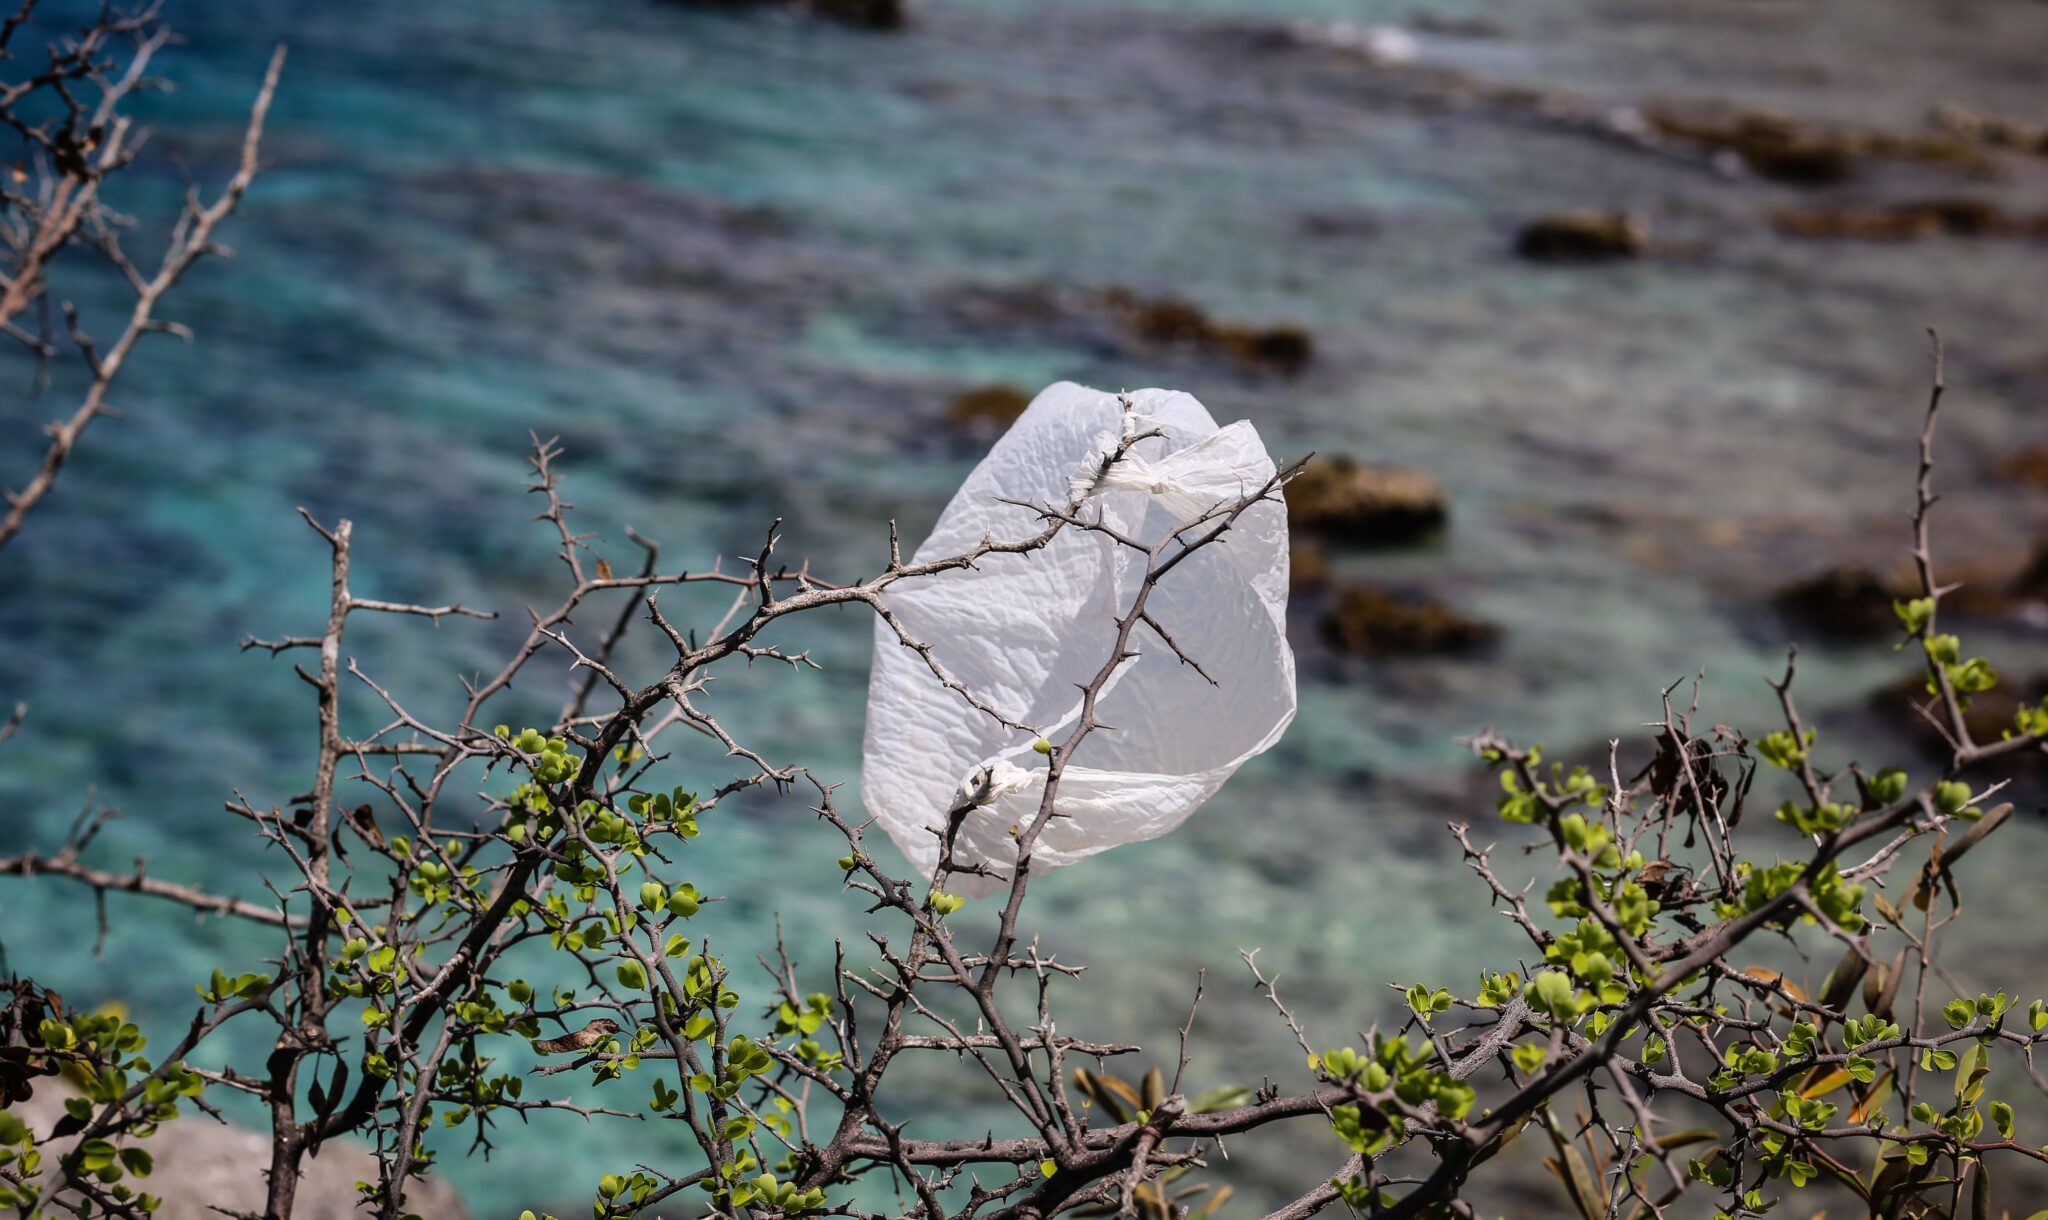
(2032, 582)
(1165, 320)
(1801, 162)
(1988, 716)
(1345, 501)
(1307, 570)
(1850, 602)
(1369, 621)
(986, 409)
(1905, 221)
(1581, 237)
(1283, 349)
(2028, 465)
(867, 14)
(1844, 601)
(1806, 154)
(1171, 321)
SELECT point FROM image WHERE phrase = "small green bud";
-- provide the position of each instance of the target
(1914, 614)
(1042, 746)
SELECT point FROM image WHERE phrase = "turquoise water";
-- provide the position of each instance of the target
(740, 262)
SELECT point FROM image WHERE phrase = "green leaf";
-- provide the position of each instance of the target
(95, 1155)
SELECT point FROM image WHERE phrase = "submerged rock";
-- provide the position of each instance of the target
(1359, 505)
(1844, 601)
(1803, 153)
(866, 14)
(1307, 570)
(2028, 465)
(1579, 237)
(1961, 121)
(1369, 621)
(1283, 349)
(988, 408)
(2031, 584)
(1959, 217)
(1988, 716)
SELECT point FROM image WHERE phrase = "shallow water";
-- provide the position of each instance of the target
(739, 263)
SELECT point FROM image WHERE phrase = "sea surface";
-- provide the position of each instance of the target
(739, 262)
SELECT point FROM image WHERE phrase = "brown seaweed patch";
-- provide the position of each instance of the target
(1583, 237)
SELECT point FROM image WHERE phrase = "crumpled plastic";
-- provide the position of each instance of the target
(1024, 632)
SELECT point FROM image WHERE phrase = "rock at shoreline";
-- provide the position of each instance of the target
(986, 409)
(202, 1165)
(1369, 621)
(1359, 505)
(1171, 321)
(1583, 237)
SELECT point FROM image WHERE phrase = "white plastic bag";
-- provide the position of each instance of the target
(1024, 632)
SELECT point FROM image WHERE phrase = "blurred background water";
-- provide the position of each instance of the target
(740, 262)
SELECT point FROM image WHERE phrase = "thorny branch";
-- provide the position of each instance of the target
(77, 141)
(394, 1000)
